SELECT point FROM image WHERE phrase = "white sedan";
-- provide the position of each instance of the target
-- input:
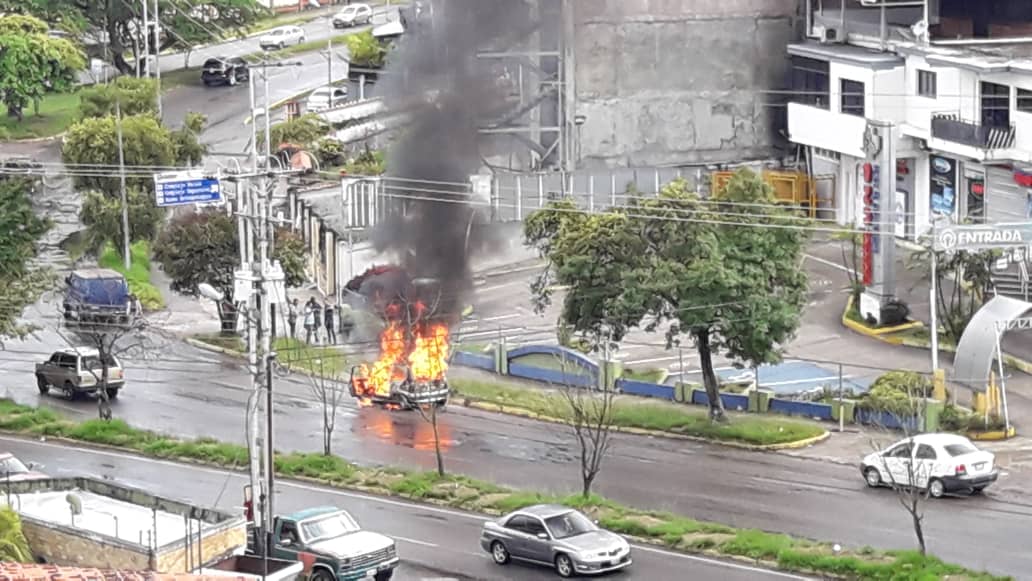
(937, 463)
(353, 15)
(281, 37)
(326, 98)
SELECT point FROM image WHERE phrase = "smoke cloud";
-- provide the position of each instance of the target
(435, 75)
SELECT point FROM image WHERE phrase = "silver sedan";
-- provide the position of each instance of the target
(555, 536)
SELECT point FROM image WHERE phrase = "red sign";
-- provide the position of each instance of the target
(1023, 179)
(868, 247)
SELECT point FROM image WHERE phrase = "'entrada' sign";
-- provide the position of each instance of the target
(981, 237)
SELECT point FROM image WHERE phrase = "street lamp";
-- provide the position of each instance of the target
(219, 298)
(579, 121)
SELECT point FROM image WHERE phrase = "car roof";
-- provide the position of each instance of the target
(96, 273)
(315, 511)
(941, 439)
(544, 510)
(81, 351)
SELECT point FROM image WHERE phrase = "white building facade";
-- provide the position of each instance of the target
(962, 113)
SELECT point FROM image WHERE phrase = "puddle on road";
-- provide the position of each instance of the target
(407, 429)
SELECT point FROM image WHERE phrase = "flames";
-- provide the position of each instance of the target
(416, 351)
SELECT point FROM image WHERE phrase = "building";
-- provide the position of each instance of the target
(955, 80)
(94, 523)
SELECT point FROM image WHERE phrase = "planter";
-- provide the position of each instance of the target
(992, 435)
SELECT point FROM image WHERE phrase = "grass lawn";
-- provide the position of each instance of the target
(325, 361)
(661, 528)
(645, 375)
(309, 46)
(56, 112)
(180, 78)
(231, 342)
(138, 275)
(630, 412)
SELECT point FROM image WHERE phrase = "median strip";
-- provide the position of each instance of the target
(656, 527)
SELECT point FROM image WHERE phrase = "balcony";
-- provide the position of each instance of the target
(950, 127)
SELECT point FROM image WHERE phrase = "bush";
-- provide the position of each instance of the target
(366, 50)
(898, 393)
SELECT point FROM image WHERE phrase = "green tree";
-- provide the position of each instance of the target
(203, 247)
(20, 229)
(365, 50)
(94, 142)
(722, 273)
(32, 63)
(102, 216)
(304, 132)
(14, 548)
(134, 95)
(957, 303)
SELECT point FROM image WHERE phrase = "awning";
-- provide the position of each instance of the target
(977, 347)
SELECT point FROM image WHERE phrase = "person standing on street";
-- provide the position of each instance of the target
(311, 325)
(292, 317)
(331, 330)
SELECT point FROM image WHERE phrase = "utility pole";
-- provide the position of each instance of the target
(157, 53)
(146, 43)
(127, 259)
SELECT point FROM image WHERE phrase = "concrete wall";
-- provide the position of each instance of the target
(679, 81)
(64, 546)
(215, 544)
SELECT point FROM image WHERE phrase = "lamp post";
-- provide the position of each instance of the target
(579, 121)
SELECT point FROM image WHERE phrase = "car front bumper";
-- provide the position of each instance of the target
(962, 483)
(368, 572)
(599, 567)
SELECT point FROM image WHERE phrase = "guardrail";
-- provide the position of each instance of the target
(369, 128)
(354, 110)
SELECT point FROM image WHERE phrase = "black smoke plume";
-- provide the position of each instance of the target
(434, 74)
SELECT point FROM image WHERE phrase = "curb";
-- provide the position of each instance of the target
(524, 413)
(994, 436)
(875, 333)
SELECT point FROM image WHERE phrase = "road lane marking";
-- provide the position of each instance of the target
(381, 500)
(653, 360)
(827, 262)
(415, 542)
(500, 317)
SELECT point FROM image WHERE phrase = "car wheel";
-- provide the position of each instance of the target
(977, 490)
(283, 45)
(41, 383)
(112, 392)
(499, 553)
(322, 575)
(873, 477)
(384, 575)
(232, 79)
(564, 565)
(69, 390)
(936, 489)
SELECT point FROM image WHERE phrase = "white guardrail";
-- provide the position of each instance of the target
(370, 128)
(354, 111)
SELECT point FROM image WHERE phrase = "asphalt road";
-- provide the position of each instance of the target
(434, 542)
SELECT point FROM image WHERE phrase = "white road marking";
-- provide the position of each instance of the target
(653, 360)
(809, 380)
(487, 289)
(500, 317)
(389, 502)
(827, 262)
(415, 542)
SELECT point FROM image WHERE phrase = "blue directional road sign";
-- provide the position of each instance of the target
(180, 188)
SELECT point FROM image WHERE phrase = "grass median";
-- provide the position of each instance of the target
(660, 528)
(138, 275)
(57, 111)
(632, 412)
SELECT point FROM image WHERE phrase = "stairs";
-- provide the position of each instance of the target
(1012, 282)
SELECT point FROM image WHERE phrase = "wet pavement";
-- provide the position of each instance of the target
(433, 542)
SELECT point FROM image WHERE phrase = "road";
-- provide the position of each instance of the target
(433, 542)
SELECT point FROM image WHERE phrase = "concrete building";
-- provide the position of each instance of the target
(954, 78)
(678, 82)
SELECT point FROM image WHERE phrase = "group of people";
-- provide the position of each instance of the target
(334, 320)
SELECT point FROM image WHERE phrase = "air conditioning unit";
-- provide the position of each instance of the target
(828, 35)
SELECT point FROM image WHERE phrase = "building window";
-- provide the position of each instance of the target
(995, 105)
(926, 84)
(810, 85)
(1024, 101)
(852, 97)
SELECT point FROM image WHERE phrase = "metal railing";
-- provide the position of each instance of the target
(952, 127)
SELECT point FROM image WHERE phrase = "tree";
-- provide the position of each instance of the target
(429, 415)
(957, 303)
(723, 273)
(330, 392)
(133, 95)
(591, 420)
(20, 230)
(304, 132)
(203, 247)
(102, 216)
(365, 50)
(14, 548)
(32, 63)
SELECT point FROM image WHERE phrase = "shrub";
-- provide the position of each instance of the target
(898, 393)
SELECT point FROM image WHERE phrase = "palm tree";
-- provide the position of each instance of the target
(13, 546)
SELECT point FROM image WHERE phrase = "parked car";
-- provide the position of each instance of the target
(225, 71)
(79, 370)
(557, 537)
(326, 98)
(353, 16)
(13, 470)
(938, 463)
(97, 295)
(281, 37)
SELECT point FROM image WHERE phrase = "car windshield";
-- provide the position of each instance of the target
(213, 64)
(329, 527)
(960, 448)
(12, 465)
(569, 525)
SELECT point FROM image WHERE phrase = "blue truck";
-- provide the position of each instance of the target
(332, 546)
(97, 296)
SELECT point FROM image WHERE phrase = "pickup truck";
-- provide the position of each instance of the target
(97, 295)
(79, 370)
(332, 546)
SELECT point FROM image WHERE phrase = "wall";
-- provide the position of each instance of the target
(215, 544)
(956, 92)
(62, 546)
(679, 81)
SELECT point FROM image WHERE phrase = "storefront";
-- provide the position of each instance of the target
(1008, 194)
(906, 169)
(942, 188)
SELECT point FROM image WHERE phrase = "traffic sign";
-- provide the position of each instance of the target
(983, 236)
(188, 187)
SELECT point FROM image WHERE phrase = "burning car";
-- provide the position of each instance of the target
(410, 370)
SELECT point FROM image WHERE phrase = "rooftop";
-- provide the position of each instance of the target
(847, 54)
(96, 273)
(32, 572)
(312, 512)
